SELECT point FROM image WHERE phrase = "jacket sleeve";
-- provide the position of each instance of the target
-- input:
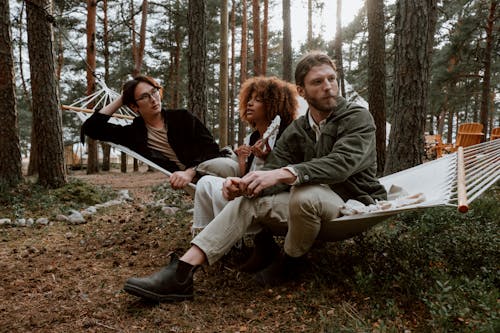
(98, 127)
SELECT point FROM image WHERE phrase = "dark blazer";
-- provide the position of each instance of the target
(188, 137)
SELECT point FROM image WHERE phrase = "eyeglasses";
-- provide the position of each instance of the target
(153, 93)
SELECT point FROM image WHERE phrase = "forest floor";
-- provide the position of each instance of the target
(69, 278)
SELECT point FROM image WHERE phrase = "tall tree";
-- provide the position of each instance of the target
(376, 75)
(10, 151)
(138, 52)
(414, 38)
(287, 43)
(257, 51)
(223, 80)
(92, 154)
(46, 113)
(485, 94)
(232, 90)
(338, 48)
(197, 50)
(309, 41)
(243, 65)
(106, 148)
(265, 36)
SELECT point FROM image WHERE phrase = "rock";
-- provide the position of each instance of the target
(20, 222)
(112, 203)
(42, 221)
(76, 218)
(89, 211)
(169, 210)
(30, 222)
(62, 218)
(124, 195)
(5, 221)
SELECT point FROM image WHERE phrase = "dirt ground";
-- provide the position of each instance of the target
(69, 278)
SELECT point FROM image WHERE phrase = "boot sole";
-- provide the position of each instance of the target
(136, 291)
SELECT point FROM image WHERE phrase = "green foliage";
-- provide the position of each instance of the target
(443, 263)
(32, 200)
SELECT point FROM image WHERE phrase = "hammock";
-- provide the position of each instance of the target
(453, 180)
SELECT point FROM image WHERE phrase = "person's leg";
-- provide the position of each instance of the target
(310, 206)
(208, 201)
(234, 220)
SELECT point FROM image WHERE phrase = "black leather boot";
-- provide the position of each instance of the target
(282, 269)
(264, 251)
(173, 283)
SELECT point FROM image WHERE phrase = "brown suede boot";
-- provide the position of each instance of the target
(264, 251)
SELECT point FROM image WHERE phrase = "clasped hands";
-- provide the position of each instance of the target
(253, 183)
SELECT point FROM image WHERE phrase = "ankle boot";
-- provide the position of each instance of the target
(172, 283)
(282, 269)
(264, 251)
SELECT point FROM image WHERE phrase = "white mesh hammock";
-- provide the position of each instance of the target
(453, 180)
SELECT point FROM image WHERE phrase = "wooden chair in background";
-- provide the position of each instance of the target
(495, 133)
(468, 134)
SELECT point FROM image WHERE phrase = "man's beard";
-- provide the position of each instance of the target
(322, 105)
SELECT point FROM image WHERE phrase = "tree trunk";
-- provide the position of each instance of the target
(338, 48)
(232, 90)
(309, 25)
(47, 120)
(376, 75)
(92, 155)
(257, 52)
(197, 60)
(287, 43)
(243, 66)
(265, 25)
(223, 80)
(485, 94)
(106, 149)
(414, 37)
(142, 41)
(10, 150)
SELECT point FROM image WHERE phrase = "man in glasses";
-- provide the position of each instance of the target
(174, 139)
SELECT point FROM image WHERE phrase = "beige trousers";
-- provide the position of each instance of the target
(305, 208)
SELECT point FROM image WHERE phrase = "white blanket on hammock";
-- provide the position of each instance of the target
(397, 197)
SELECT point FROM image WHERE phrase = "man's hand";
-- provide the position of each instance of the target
(231, 188)
(254, 182)
(181, 179)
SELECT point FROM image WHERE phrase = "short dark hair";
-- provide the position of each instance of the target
(308, 61)
(128, 89)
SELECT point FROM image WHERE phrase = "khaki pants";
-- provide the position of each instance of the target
(304, 208)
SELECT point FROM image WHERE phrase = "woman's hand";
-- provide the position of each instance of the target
(261, 149)
(243, 151)
(181, 179)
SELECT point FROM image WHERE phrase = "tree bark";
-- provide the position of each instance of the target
(243, 66)
(10, 150)
(414, 37)
(485, 94)
(338, 48)
(257, 52)
(376, 75)
(197, 60)
(265, 24)
(223, 80)
(47, 120)
(92, 152)
(287, 43)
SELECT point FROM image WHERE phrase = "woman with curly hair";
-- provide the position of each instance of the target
(261, 100)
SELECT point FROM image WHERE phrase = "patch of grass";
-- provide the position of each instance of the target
(32, 200)
(437, 262)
